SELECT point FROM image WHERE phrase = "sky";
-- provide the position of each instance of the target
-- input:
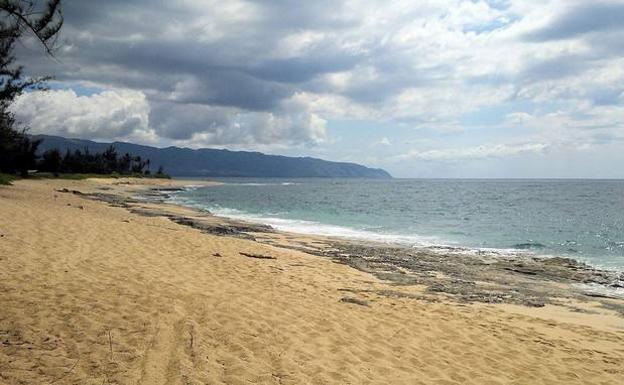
(444, 88)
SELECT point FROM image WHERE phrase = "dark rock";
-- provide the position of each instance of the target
(167, 189)
(521, 270)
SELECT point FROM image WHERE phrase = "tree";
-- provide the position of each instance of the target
(125, 162)
(17, 151)
(17, 19)
(110, 158)
(51, 161)
(84, 161)
(160, 172)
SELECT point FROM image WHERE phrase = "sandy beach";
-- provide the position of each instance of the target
(95, 293)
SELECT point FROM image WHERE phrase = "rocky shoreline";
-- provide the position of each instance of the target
(520, 280)
(445, 275)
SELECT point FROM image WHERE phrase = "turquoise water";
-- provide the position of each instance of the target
(581, 219)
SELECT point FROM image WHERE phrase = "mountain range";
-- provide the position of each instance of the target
(207, 162)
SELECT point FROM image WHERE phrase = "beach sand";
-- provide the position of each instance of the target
(94, 294)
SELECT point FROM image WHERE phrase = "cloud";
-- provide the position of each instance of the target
(229, 88)
(555, 68)
(579, 19)
(384, 142)
(197, 125)
(114, 114)
(584, 126)
(270, 75)
(121, 114)
(473, 153)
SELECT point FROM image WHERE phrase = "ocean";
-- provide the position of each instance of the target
(580, 219)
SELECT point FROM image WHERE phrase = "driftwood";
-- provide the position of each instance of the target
(110, 343)
(354, 301)
(257, 256)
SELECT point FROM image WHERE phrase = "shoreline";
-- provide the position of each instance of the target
(468, 278)
(404, 241)
(356, 252)
(435, 244)
(99, 286)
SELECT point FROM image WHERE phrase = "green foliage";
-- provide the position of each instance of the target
(51, 161)
(161, 173)
(6, 179)
(49, 175)
(17, 18)
(74, 176)
(84, 162)
(17, 150)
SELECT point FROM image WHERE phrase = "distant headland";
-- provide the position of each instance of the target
(207, 162)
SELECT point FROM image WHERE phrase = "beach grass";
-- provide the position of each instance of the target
(82, 176)
(73, 176)
(6, 179)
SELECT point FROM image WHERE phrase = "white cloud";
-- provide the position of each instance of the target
(197, 125)
(112, 114)
(385, 141)
(121, 114)
(472, 153)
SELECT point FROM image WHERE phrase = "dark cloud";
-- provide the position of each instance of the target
(322, 15)
(554, 68)
(214, 79)
(586, 18)
(135, 44)
(227, 126)
(182, 121)
(303, 69)
(231, 88)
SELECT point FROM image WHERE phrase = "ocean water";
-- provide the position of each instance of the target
(580, 219)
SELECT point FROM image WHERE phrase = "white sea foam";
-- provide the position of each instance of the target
(315, 228)
(601, 290)
(299, 226)
(426, 243)
(265, 184)
(192, 187)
